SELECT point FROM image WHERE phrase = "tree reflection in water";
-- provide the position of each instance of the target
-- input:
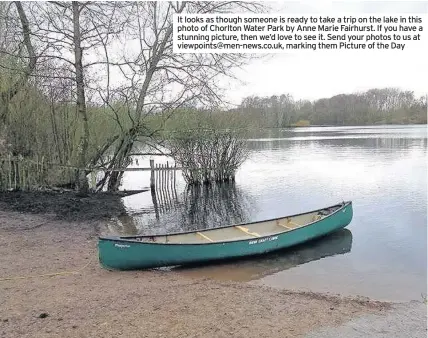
(214, 205)
(197, 207)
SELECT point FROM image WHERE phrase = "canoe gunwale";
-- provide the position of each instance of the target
(132, 239)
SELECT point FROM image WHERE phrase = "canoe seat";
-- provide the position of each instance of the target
(204, 236)
(289, 221)
(255, 234)
(316, 217)
(283, 225)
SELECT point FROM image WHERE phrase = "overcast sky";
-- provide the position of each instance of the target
(315, 75)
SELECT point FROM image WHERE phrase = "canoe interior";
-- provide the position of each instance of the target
(240, 232)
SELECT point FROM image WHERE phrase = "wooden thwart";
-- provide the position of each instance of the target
(282, 225)
(255, 234)
(293, 223)
(316, 218)
(204, 236)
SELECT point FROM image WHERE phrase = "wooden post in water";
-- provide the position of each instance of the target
(175, 171)
(152, 174)
(168, 184)
(163, 186)
(157, 176)
(159, 187)
(171, 178)
(155, 202)
(173, 175)
(163, 176)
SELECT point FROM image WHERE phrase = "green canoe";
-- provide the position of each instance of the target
(142, 252)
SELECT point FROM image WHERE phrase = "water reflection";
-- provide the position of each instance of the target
(123, 225)
(383, 170)
(361, 142)
(209, 206)
(195, 208)
(253, 268)
(409, 131)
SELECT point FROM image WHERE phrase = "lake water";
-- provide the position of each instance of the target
(382, 254)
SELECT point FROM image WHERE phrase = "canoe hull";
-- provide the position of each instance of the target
(122, 254)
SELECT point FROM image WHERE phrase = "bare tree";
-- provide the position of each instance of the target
(158, 81)
(70, 33)
(82, 183)
(119, 56)
(7, 93)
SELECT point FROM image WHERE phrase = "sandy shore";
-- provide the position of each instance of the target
(98, 303)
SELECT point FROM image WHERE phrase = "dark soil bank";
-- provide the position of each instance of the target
(66, 205)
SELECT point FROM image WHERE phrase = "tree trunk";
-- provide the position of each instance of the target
(81, 181)
(7, 94)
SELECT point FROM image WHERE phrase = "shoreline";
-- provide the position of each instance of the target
(99, 303)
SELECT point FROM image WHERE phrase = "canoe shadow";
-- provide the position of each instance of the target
(256, 267)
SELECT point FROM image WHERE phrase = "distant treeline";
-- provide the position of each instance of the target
(375, 106)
